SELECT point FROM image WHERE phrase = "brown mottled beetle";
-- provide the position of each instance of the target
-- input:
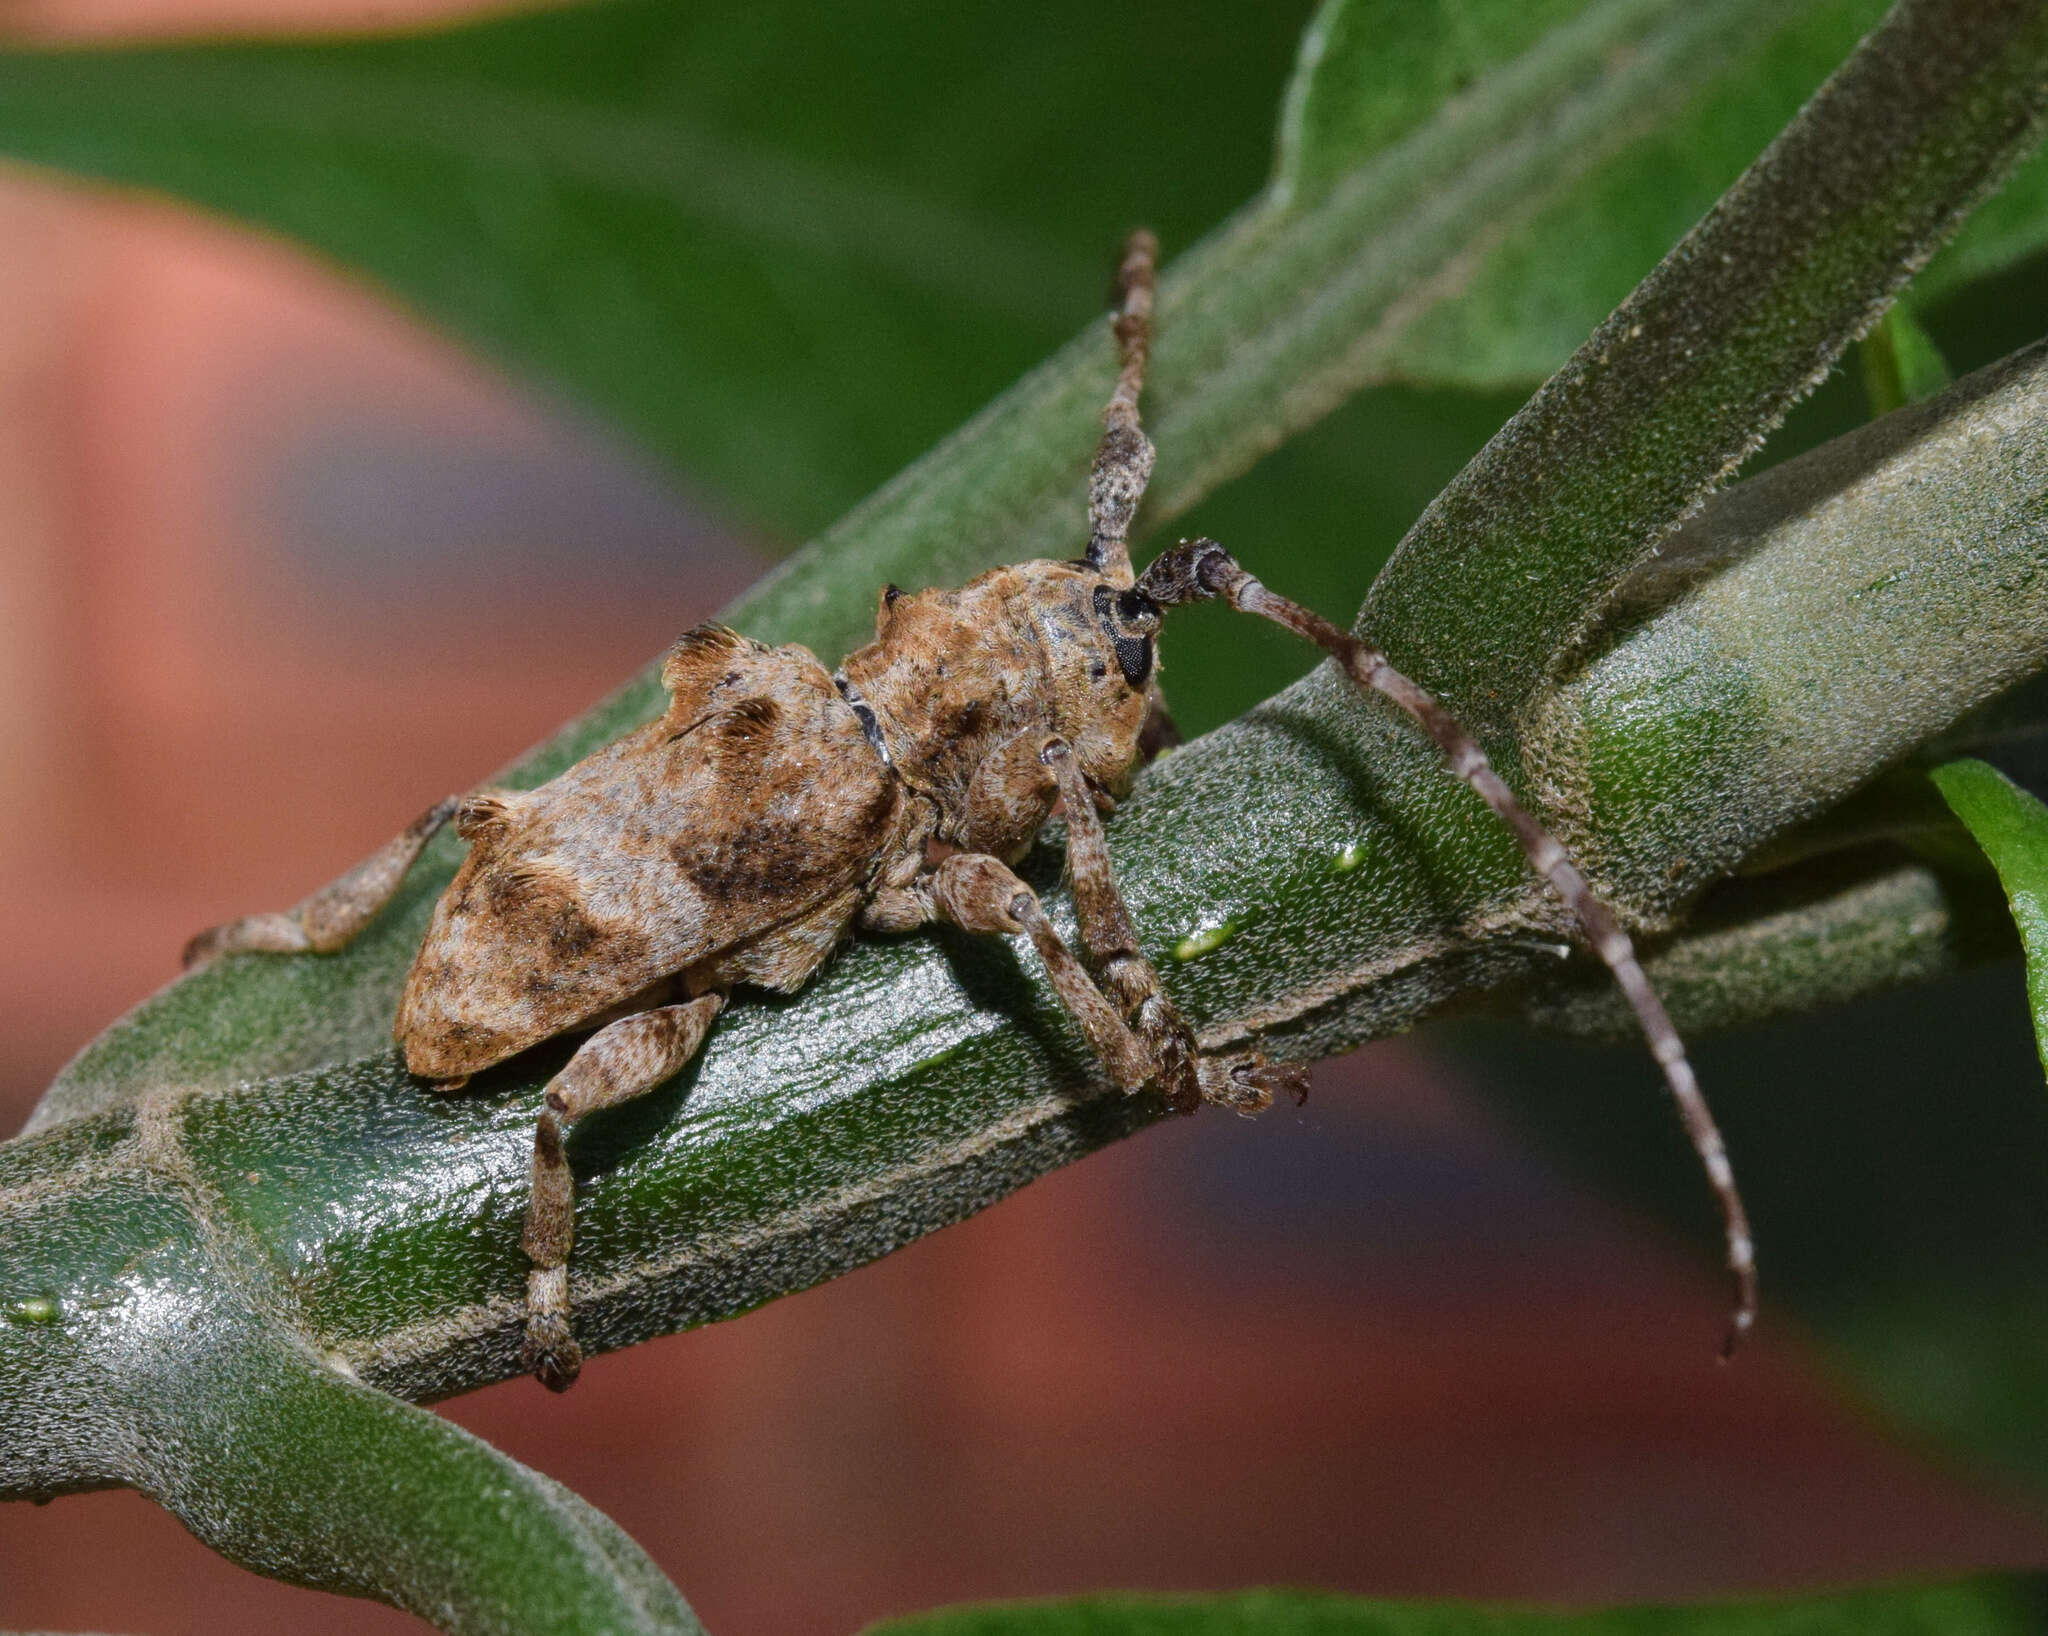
(776, 807)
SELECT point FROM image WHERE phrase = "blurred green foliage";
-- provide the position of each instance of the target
(790, 246)
(1901, 363)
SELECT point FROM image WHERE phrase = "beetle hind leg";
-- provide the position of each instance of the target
(332, 917)
(621, 1061)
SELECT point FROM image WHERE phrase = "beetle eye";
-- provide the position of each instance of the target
(1129, 618)
(1134, 658)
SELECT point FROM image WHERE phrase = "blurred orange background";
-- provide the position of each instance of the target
(280, 566)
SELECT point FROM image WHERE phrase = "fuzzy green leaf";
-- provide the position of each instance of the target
(153, 1312)
(1368, 72)
(2012, 827)
(1531, 299)
(1495, 585)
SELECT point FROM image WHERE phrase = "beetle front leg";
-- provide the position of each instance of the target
(331, 918)
(979, 893)
(622, 1060)
(1008, 799)
(1245, 1082)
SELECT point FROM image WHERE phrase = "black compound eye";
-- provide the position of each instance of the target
(1134, 658)
(1130, 608)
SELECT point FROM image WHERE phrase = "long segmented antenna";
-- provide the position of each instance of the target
(1123, 459)
(1196, 570)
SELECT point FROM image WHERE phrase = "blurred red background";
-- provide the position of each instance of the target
(280, 565)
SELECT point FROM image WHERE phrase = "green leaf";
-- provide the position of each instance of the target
(1494, 586)
(1986, 1608)
(1368, 72)
(2012, 828)
(2003, 235)
(158, 1355)
(1525, 301)
(1901, 363)
(1366, 67)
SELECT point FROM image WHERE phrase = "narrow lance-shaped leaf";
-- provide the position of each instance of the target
(1508, 566)
(1754, 658)
(2012, 827)
(146, 1339)
(1746, 648)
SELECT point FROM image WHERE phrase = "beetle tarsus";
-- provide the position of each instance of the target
(549, 1352)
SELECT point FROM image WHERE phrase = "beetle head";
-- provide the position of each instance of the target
(1099, 644)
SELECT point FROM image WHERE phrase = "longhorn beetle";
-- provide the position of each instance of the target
(776, 807)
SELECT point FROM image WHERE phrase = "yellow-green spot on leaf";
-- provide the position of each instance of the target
(1349, 859)
(36, 1309)
(1205, 941)
(1885, 582)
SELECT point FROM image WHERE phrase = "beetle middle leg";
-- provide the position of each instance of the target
(621, 1061)
(980, 893)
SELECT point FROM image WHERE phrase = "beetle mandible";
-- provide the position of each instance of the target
(777, 807)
